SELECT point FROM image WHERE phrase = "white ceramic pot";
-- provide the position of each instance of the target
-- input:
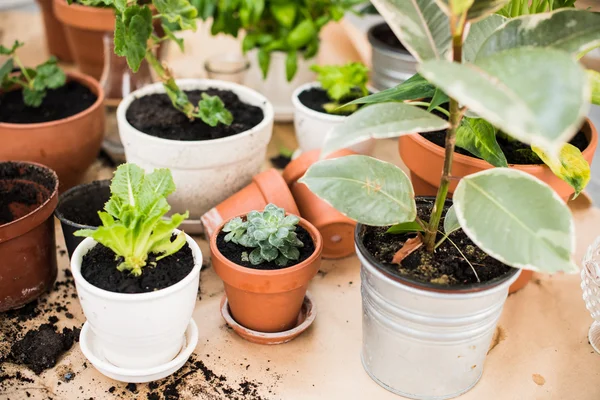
(276, 87)
(312, 126)
(141, 330)
(205, 172)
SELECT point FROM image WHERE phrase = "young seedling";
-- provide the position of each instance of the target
(343, 84)
(34, 82)
(270, 233)
(133, 223)
(212, 111)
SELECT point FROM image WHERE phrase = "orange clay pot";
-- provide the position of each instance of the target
(68, 146)
(56, 39)
(267, 301)
(266, 187)
(337, 229)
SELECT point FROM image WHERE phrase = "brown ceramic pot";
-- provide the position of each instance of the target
(56, 39)
(266, 187)
(337, 229)
(27, 242)
(68, 146)
(267, 301)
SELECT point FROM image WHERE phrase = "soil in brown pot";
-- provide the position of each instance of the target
(385, 35)
(238, 253)
(155, 115)
(446, 267)
(83, 207)
(64, 102)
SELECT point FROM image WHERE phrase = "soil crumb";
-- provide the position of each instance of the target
(538, 379)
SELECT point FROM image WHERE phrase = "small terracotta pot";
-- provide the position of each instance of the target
(521, 281)
(56, 39)
(266, 187)
(68, 146)
(27, 243)
(337, 229)
(267, 301)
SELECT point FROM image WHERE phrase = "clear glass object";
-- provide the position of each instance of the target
(590, 283)
(230, 67)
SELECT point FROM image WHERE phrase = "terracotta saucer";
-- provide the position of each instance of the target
(308, 312)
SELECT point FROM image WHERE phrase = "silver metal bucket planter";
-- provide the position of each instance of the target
(421, 343)
(390, 66)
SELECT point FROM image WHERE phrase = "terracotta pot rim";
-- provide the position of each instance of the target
(481, 164)
(314, 233)
(74, 14)
(72, 192)
(83, 79)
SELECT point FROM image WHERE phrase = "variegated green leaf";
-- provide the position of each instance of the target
(405, 227)
(594, 78)
(569, 165)
(537, 104)
(477, 9)
(368, 190)
(574, 31)
(517, 219)
(381, 121)
(478, 137)
(479, 32)
(420, 25)
(414, 88)
(451, 223)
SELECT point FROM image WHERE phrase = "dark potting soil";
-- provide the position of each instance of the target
(446, 267)
(315, 98)
(233, 251)
(280, 161)
(155, 115)
(83, 206)
(384, 34)
(66, 101)
(99, 267)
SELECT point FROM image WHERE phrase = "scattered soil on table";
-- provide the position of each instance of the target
(60, 103)
(446, 267)
(155, 115)
(315, 98)
(82, 207)
(384, 34)
(233, 251)
(99, 267)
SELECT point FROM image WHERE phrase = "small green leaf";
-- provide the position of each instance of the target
(49, 75)
(405, 227)
(8, 51)
(6, 69)
(478, 137)
(284, 13)
(264, 59)
(451, 223)
(594, 77)
(302, 34)
(132, 32)
(414, 88)
(438, 99)
(169, 33)
(569, 165)
(33, 98)
(291, 65)
(211, 110)
(342, 82)
(180, 12)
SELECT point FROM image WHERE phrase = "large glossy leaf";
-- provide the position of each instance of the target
(381, 121)
(420, 25)
(517, 219)
(414, 88)
(478, 137)
(479, 32)
(594, 77)
(518, 92)
(477, 9)
(368, 190)
(574, 31)
(569, 165)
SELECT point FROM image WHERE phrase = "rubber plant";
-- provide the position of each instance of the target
(292, 27)
(520, 76)
(134, 39)
(343, 84)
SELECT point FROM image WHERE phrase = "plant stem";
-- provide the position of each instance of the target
(424, 103)
(23, 70)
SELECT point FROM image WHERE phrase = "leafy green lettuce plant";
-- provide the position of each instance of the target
(270, 233)
(133, 223)
(499, 75)
(34, 82)
(343, 83)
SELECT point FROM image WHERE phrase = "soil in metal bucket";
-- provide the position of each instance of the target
(64, 102)
(83, 206)
(384, 34)
(155, 115)
(446, 267)
(239, 254)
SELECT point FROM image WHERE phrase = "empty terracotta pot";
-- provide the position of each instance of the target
(337, 229)
(56, 39)
(267, 300)
(68, 146)
(28, 197)
(266, 187)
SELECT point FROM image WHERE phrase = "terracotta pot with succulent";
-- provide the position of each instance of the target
(137, 279)
(280, 39)
(318, 106)
(266, 260)
(49, 117)
(436, 273)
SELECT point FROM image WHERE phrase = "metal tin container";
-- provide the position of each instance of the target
(390, 66)
(422, 343)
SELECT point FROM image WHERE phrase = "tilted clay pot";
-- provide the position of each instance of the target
(337, 230)
(266, 187)
(267, 300)
(68, 146)
(56, 39)
(28, 197)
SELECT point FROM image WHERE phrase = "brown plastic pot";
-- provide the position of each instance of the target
(56, 38)
(68, 146)
(27, 243)
(266, 187)
(337, 229)
(267, 301)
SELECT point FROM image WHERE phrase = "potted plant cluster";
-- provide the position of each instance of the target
(266, 260)
(49, 117)
(319, 106)
(436, 272)
(137, 279)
